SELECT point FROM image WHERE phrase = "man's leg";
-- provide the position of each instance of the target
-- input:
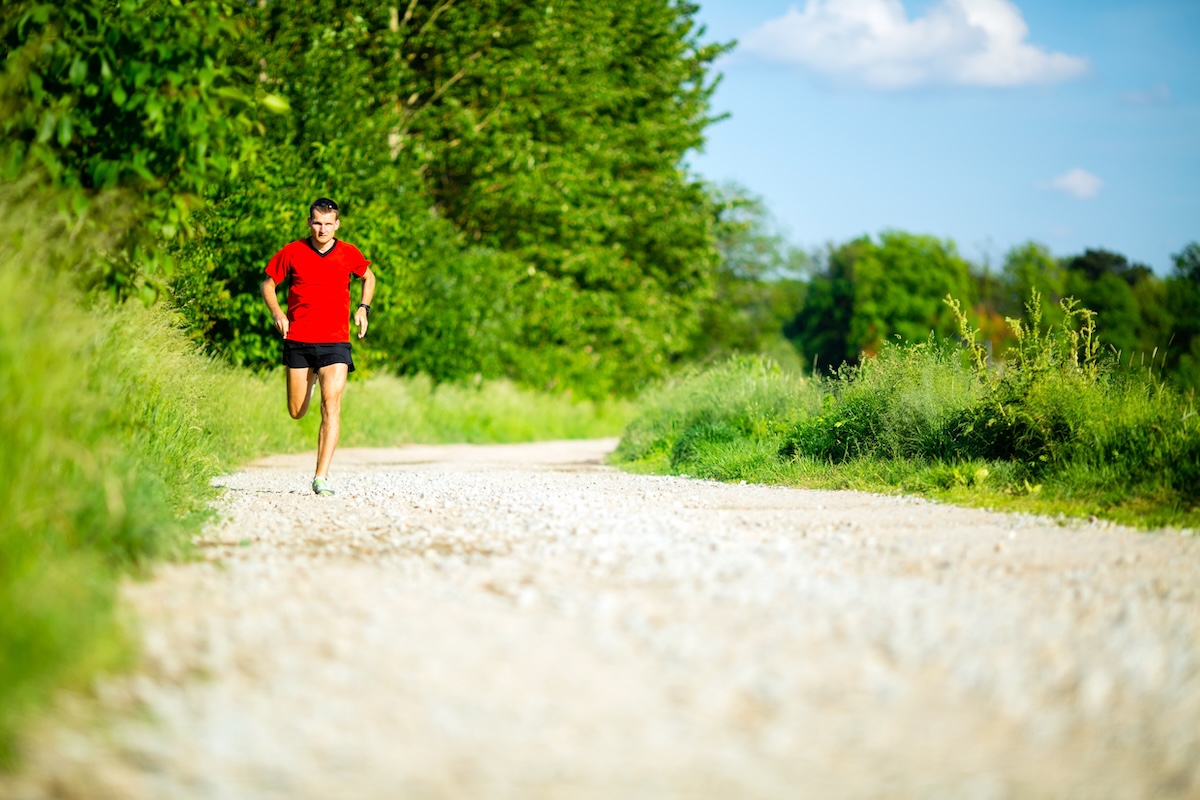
(299, 390)
(333, 383)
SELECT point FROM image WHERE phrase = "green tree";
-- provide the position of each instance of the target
(135, 97)
(900, 287)
(821, 329)
(869, 292)
(559, 141)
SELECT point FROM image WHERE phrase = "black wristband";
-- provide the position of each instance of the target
(367, 307)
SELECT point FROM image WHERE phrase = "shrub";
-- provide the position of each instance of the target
(898, 405)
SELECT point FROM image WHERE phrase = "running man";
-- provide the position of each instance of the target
(316, 328)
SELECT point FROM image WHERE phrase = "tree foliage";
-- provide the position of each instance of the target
(1030, 268)
(867, 292)
(136, 97)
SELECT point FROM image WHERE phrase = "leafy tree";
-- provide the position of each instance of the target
(559, 141)
(901, 286)
(1116, 307)
(868, 292)
(135, 96)
(1187, 267)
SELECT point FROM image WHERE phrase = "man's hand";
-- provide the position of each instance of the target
(281, 325)
(360, 319)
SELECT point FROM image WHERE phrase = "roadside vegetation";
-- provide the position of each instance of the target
(1058, 427)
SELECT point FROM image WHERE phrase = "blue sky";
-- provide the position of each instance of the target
(1075, 123)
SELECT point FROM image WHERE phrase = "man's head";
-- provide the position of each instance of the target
(323, 220)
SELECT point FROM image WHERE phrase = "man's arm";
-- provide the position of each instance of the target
(368, 292)
(268, 293)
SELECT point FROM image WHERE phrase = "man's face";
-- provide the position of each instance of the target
(324, 225)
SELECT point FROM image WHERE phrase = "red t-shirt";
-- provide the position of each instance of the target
(318, 304)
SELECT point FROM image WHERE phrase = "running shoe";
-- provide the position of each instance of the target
(321, 487)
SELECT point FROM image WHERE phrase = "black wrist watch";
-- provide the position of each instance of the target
(367, 307)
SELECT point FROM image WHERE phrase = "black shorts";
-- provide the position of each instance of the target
(302, 355)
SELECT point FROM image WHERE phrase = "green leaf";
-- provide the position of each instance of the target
(46, 126)
(64, 130)
(78, 71)
(276, 104)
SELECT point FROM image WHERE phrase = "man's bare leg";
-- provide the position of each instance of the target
(333, 383)
(299, 390)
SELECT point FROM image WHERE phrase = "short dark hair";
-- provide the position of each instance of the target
(323, 205)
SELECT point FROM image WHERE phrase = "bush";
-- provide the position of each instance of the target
(898, 405)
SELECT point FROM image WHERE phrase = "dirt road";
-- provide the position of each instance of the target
(523, 622)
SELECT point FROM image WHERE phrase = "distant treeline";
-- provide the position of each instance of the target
(514, 170)
(840, 303)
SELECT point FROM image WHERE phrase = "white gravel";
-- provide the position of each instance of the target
(522, 622)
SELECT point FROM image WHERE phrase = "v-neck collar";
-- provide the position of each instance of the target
(332, 247)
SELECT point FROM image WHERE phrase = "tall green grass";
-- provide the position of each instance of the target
(112, 426)
(1055, 428)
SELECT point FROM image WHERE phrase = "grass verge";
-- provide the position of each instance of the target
(1054, 430)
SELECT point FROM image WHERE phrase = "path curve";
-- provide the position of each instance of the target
(523, 622)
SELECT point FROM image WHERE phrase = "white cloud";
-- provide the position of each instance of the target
(963, 42)
(1077, 182)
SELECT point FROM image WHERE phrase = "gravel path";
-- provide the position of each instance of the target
(523, 622)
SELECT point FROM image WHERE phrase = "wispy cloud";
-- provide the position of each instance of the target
(1157, 95)
(873, 42)
(1077, 182)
